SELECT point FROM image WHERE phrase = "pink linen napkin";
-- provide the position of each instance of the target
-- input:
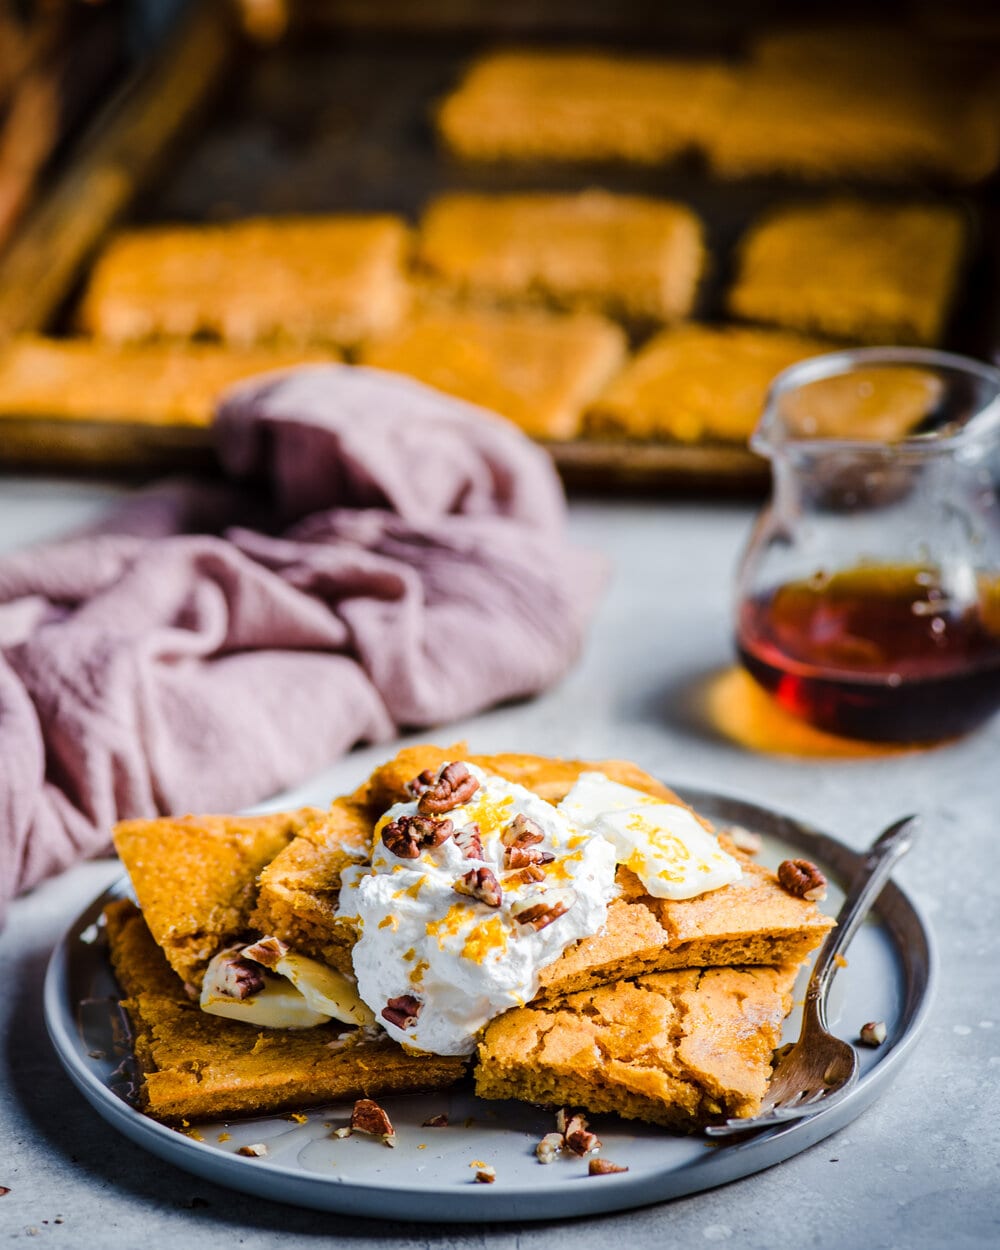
(382, 557)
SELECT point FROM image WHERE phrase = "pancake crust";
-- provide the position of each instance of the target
(538, 370)
(337, 279)
(883, 273)
(675, 1048)
(195, 877)
(153, 383)
(860, 101)
(194, 1066)
(582, 106)
(627, 256)
(697, 383)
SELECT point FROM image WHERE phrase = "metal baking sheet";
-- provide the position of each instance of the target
(341, 120)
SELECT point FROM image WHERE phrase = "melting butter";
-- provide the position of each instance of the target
(298, 993)
(668, 849)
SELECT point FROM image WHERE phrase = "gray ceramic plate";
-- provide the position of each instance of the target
(429, 1176)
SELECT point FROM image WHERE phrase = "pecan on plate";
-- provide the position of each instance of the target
(521, 856)
(579, 1140)
(237, 978)
(368, 1117)
(407, 836)
(402, 1011)
(540, 910)
(522, 831)
(549, 1147)
(256, 1150)
(481, 884)
(604, 1167)
(423, 781)
(469, 842)
(803, 879)
(486, 1175)
(873, 1033)
(267, 951)
(455, 785)
(436, 1121)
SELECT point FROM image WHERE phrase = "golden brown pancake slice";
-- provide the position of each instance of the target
(852, 101)
(627, 256)
(847, 268)
(195, 877)
(538, 105)
(194, 1066)
(148, 383)
(538, 370)
(675, 1048)
(698, 383)
(323, 279)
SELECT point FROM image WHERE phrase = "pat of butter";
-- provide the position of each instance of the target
(325, 989)
(279, 1005)
(670, 852)
(298, 994)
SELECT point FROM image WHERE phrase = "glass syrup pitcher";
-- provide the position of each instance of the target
(869, 593)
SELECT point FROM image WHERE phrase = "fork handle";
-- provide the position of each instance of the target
(866, 886)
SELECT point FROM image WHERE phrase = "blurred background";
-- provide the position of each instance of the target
(885, 120)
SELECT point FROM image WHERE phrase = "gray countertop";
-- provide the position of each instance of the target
(921, 1168)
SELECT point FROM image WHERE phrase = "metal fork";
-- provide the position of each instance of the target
(820, 1067)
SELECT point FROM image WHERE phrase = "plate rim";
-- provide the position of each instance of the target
(723, 1162)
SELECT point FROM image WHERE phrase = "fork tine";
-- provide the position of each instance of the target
(793, 1091)
(780, 1114)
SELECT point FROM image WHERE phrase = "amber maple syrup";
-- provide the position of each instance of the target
(877, 652)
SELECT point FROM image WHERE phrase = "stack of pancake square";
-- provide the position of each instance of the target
(669, 1015)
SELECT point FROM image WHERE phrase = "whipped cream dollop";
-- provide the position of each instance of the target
(668, 849)
(462, 906)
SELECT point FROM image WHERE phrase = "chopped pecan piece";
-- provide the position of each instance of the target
(527, 875)
(873, 1033)
(469, 842)
(486, 1175)
(407, 836)
(481, 884)
(562, 1119)
(423, 781)
(455, 785)
(436, 1121)
(521, 856)
(267, 951)
(604, 1167)
(369, 1117)
(402, 1011)
(539, 911)
(549, 1147)
(579, 1140)
(237, 978)
(803, 879)
(522, 831)
(255, 1151)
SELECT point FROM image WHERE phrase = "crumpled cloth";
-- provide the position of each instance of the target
(380, 557)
